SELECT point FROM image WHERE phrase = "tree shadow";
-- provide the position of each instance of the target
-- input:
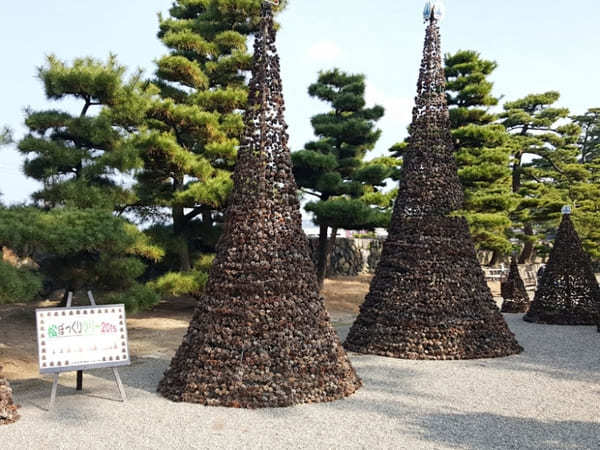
(568, 353)
(34, 394)
(493, 431)
(143, 375)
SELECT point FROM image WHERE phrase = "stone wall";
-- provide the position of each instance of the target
(350, 257)
(375, 246)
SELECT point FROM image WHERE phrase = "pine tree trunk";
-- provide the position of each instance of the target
(516, 173)
(330, 247)
(494, 259)
(322, 254)
(183, 247)
(185, 260)
(207, 218)
(527, 252)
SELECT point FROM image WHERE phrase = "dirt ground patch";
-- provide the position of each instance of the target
(344, 295)
(155, 333)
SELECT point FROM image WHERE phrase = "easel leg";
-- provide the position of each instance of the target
(80, 380)
(53, 393)
(119, 384)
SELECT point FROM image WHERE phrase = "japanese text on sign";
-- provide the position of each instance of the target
(81, 338)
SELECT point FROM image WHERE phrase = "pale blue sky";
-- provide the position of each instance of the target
(539, 45)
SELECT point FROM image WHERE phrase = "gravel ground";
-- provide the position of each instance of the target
(547, 398)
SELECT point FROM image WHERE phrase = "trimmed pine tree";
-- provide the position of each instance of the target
(482, 151)
(196, 124)
(332, 170)
(76, 156)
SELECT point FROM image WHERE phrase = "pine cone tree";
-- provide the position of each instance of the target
(568, 292)
(429, 298)
(260, 335)
(516, 298)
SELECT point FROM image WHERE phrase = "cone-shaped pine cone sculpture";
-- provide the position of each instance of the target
(516, 299)
(429, 298)
(8, 410)
(568, 292)
(260, 335)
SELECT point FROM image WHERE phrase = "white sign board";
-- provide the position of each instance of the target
(81, 338)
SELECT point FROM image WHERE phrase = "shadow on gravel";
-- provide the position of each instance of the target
(35, 394)
(567, 353)
(490, 431)
(389, 392)
(144, 374)
(397, 381)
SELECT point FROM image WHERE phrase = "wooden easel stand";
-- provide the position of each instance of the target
(79, 386)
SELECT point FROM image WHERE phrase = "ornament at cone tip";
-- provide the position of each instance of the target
(566, 210)
(434, 9)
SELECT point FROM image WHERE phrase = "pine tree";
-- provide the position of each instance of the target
(429, 298)
(82, 249)
(544, 153)
(568, 293)
(196, 123)
(333, 170)
(8, 409)
(589, 141)
(482, 150)
(5, 136)
(585, 191)
(260, 335)
(76, 156)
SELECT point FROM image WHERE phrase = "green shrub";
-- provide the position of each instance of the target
(79, 249)
(204, 263)
(137, 298)
(177, 284)
(18, 285)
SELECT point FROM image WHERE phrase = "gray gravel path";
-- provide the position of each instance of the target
(546, 398)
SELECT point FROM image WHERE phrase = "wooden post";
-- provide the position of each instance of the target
(119, 384)
(80, 380)
(91, 297)
(53, 394)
